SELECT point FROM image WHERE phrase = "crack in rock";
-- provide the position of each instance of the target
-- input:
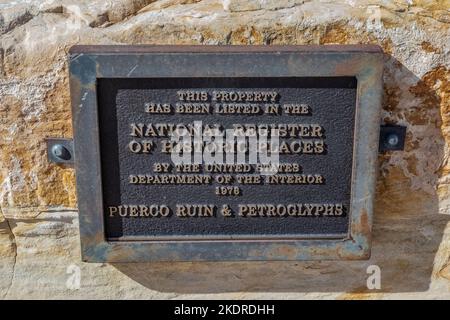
(12, 237)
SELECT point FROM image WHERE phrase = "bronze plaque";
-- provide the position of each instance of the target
(225, 153)
(305, 194)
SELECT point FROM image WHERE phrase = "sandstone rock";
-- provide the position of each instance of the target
(12, 17)
(158, 5)
(243, 5)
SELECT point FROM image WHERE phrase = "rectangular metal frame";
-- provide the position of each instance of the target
(88, 63)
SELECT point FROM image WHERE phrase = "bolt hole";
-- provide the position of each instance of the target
(61, 152)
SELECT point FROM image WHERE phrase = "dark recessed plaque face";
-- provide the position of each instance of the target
(284, 209)
(311, 114)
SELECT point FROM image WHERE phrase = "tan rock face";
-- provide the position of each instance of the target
(39, 237)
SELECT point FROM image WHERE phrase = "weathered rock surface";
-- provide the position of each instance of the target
(39, 246)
